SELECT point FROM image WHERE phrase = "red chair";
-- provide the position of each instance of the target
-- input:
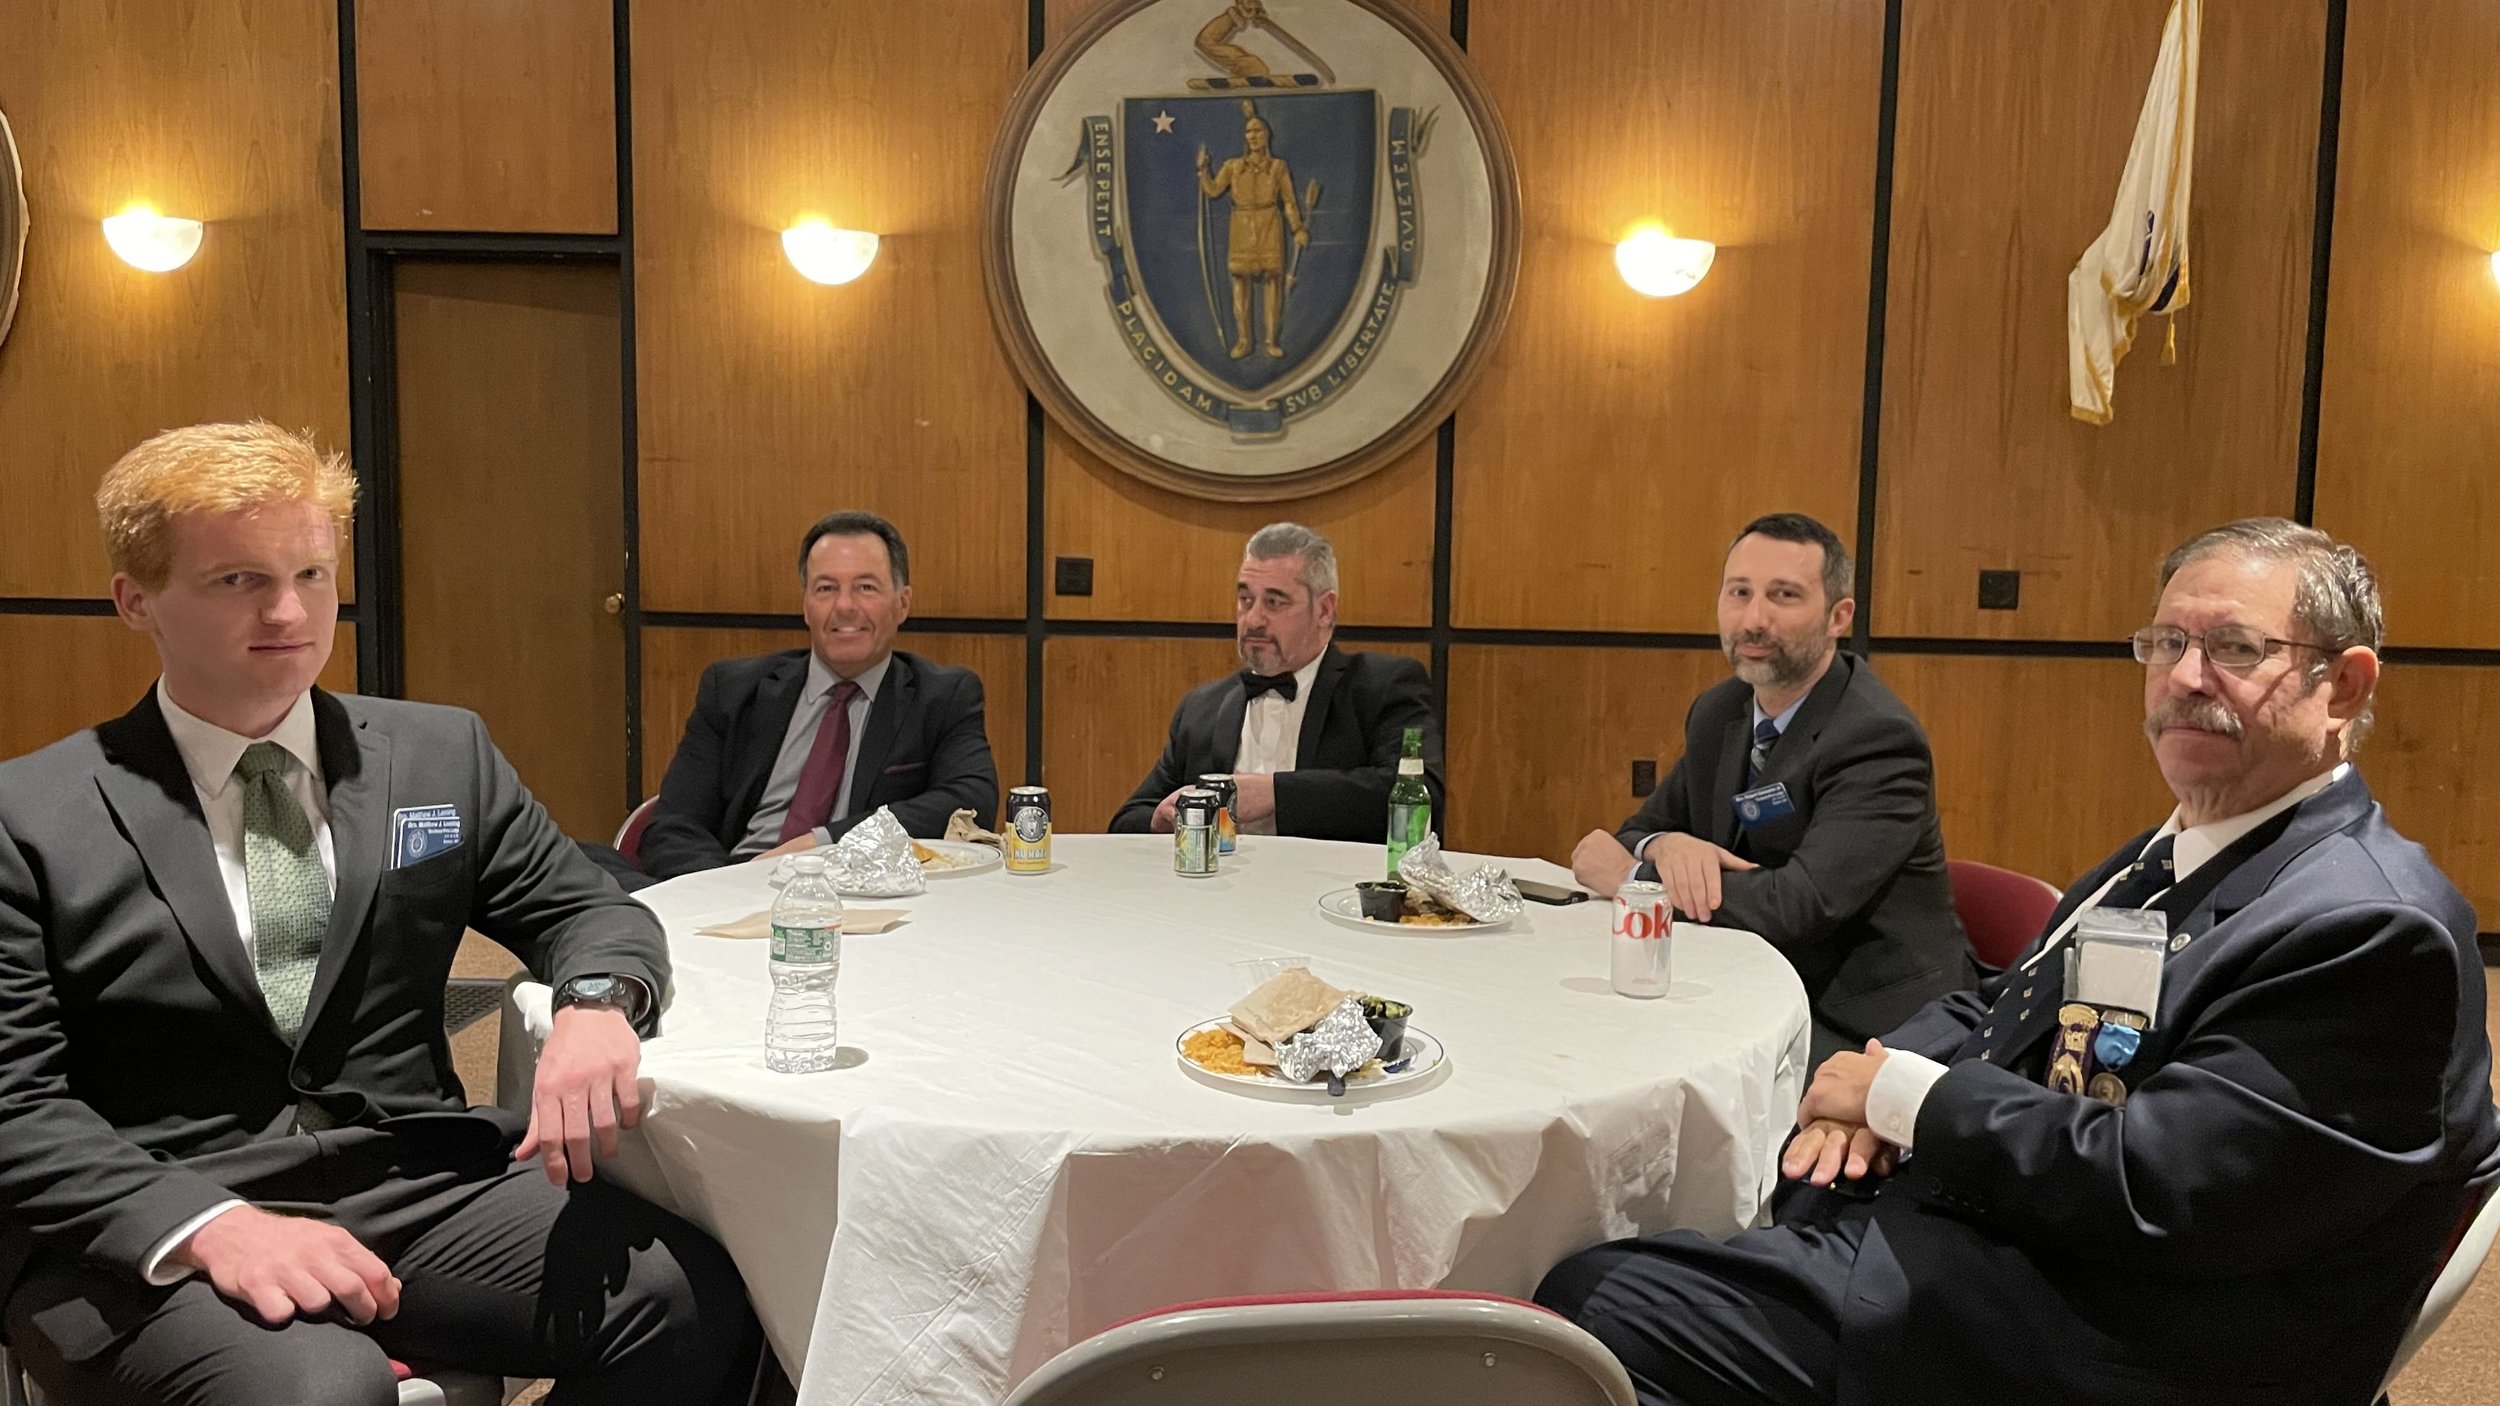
(2002, 911)
(1420, 1347)
(629, 834)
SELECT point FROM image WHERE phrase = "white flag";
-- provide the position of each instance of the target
(2140, 262)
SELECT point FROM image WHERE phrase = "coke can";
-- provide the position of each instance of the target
(1028, 830)
(1227, 797)
(1643, 933)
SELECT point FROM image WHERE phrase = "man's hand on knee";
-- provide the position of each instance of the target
(285, 1266)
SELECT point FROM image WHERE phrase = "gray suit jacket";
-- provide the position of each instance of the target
(1852, 887)
(142, 1080)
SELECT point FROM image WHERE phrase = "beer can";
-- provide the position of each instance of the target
(1227, 801)
(1028, 830)
(1644, 928)
(1194, 846)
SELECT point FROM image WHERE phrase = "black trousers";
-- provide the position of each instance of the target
(1750, 1321)
(500, 1273)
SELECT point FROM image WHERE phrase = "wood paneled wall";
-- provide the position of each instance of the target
(772, 401)
(2409, 421)
(487, 115)
(2015, 117)
(225, 111)
(68, 672)
(1618, 442)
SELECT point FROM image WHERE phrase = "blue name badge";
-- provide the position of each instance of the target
(419, 833)
(1764, 804)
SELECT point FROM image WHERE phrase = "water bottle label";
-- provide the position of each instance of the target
(806, 944)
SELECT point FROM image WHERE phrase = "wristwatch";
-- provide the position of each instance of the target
(612, 991)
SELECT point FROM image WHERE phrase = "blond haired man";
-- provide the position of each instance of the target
(235, 1164)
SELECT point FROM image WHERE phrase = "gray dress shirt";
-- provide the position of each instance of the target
(764, 831)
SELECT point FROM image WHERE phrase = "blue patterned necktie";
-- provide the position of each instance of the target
(1766, 735)
(290, 894)
(2026, 1010)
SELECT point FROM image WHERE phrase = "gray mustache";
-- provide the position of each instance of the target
(2203, 714)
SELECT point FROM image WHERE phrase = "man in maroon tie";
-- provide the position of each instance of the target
(788, 751)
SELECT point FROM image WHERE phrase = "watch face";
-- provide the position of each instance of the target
(591, 988)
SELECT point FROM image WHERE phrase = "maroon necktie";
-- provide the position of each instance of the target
(820, 781)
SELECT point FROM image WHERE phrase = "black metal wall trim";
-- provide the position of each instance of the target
(1036, 518)
(2321, 259)
(629, 399)
(376, 575)
(503, 248)
(54, 605)
(1878, 294)
(2005, 649)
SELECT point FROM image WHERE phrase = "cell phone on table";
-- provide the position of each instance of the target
(1535, 892)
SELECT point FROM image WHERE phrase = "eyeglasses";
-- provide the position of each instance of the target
(2233, 647)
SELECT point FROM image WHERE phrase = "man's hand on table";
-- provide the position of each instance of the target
(284, 1266)
(1254, 795)
(1689, 867)
(1601, 863)
(587, 1088)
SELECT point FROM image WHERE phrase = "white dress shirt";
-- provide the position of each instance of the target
(799, 739)
(209, 753)
(1901, 1084)
(1271, 735)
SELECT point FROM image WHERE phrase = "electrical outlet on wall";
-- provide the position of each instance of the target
(1073, 576)
(1644, 777)
(2000, 590)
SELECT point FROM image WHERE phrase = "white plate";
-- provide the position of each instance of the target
(1346, 906)
(1422, 1058)
(970, 857)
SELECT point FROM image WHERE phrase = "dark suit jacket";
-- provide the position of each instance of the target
(1352, 730)
(2257, 1222)
(925, 751)
(139, 1067)
(1852, 887)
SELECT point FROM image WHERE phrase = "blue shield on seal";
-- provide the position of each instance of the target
(1211, 245)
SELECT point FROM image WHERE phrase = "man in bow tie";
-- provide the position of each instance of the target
(1804, 807)
(1310, 733)
(2249, 1209)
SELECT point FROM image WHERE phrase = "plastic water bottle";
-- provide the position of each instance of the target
(799, 1034)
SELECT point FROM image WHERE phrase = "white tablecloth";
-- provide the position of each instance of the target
(1017, 1159)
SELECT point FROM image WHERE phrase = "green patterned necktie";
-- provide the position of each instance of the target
(290, 893)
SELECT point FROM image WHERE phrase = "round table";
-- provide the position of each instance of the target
(1011, 1156)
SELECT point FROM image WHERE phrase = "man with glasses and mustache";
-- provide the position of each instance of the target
(2250, 1208)
(1803, 808)
(1309, 732)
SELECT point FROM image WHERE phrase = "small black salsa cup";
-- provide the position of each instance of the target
(1383, 900)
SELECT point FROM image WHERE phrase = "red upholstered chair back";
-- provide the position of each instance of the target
(629, 835)
(1405, 1348)
(2001, 910)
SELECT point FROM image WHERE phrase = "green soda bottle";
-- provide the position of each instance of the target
(1410, 805)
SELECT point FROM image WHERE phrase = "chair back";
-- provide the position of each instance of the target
(2468, 1246)
(629, 834)
(1399, 1348)
(2001, 910)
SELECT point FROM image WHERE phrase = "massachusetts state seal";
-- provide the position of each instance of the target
(1250, 250)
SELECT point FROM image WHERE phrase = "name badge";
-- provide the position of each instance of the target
(1764, 804)
(2115, 963)
(419, 833)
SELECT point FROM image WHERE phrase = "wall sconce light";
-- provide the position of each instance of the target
(1660, 265)
(826, 254)
(150, 241)
(2495, 265)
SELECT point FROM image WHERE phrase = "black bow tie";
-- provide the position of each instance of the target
(1253, 685)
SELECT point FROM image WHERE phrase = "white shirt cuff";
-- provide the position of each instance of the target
(1899, 1090)
(154, 1269)
(822, 835)
(1637, 860)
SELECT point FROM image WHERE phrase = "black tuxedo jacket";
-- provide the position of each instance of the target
(925, 752)
(1352, 730)
(2257, 1222)
(1852, 887)
(142, 1080)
